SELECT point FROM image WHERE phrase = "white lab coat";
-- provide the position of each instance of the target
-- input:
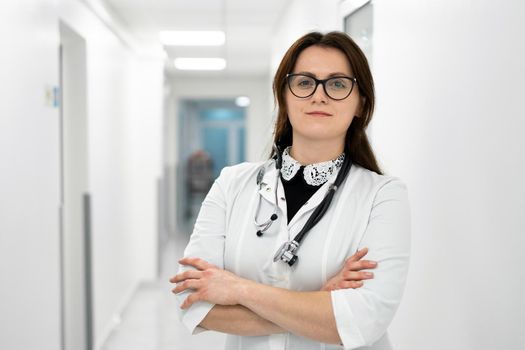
(368, 210)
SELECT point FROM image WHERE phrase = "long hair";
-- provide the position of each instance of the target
(356, 140)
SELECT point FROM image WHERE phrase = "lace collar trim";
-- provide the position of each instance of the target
(314, 174)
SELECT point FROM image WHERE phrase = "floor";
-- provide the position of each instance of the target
(150, 320)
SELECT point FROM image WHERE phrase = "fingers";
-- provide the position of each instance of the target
(355, 263)
(359, 254)
(197, 263)
(192, 298)
(357, 276)
(190, 274)
(350, 284)
(342, 284)
(360, 265)
(187, 284)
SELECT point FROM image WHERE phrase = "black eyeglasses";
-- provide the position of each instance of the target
(337, 88)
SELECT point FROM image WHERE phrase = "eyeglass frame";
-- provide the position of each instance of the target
(322, 82)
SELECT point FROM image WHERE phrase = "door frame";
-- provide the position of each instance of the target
(75, 200)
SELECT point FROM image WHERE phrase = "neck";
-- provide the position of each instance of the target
(310, 152)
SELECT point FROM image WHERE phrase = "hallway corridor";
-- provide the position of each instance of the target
(116, 115)
(150, 321)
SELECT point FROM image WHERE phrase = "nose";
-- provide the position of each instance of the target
(319, 94)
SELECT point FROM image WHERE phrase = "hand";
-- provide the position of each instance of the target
(209, 283)
(348, 277)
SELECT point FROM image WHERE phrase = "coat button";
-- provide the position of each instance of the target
(283, 199)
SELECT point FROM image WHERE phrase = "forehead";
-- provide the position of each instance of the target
(322, 61)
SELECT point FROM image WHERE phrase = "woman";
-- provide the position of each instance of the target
(259, 282)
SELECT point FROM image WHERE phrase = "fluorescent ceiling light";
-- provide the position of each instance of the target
(192, 38)
(200, 63)
(242, 101)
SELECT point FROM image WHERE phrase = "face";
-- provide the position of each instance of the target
(319, 117)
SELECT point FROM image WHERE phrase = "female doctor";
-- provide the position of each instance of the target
(266, 260)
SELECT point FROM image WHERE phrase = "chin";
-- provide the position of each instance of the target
(318, 135)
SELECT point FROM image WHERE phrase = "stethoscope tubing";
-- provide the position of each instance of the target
(319, 211)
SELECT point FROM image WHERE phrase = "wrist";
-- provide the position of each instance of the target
(245, 290)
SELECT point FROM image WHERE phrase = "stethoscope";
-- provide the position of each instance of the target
(263, 227)
(287, 251)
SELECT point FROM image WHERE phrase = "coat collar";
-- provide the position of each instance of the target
(267, 191)
(314, 174)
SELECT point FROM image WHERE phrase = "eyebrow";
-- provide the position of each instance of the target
(335, 74)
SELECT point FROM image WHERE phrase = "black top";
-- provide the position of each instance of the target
(297, 193)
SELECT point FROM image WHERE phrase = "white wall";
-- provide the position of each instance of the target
(124, 144)
(29, 177)
(125, 94)
(449, 79)
(299, 18)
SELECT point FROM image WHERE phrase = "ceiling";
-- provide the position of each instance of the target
(248, 25)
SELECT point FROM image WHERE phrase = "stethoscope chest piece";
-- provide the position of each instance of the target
(286, 252)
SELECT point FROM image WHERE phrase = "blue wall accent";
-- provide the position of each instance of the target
(225, 114)
(216, 145)
(241, 145)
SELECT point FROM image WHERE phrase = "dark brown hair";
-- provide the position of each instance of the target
(356, 139)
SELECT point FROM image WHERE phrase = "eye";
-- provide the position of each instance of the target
(338, 83)
(304, 82)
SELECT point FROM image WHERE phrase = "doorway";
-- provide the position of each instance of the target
(358, 17)
(76, 301)
(211, 136)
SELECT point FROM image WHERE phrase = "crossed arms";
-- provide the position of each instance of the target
(244, 307)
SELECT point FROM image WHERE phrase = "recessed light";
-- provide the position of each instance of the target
(192, 38)
(187, 63)
(242, 101)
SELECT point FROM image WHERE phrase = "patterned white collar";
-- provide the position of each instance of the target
(314, 174)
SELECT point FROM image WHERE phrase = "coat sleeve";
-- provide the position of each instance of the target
(363, 315)
(206, 242)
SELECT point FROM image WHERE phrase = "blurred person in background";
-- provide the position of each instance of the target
(199, 178)
(267, 262)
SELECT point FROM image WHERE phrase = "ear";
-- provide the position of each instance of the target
(359, 112)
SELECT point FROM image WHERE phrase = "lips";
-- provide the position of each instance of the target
(319, 114)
